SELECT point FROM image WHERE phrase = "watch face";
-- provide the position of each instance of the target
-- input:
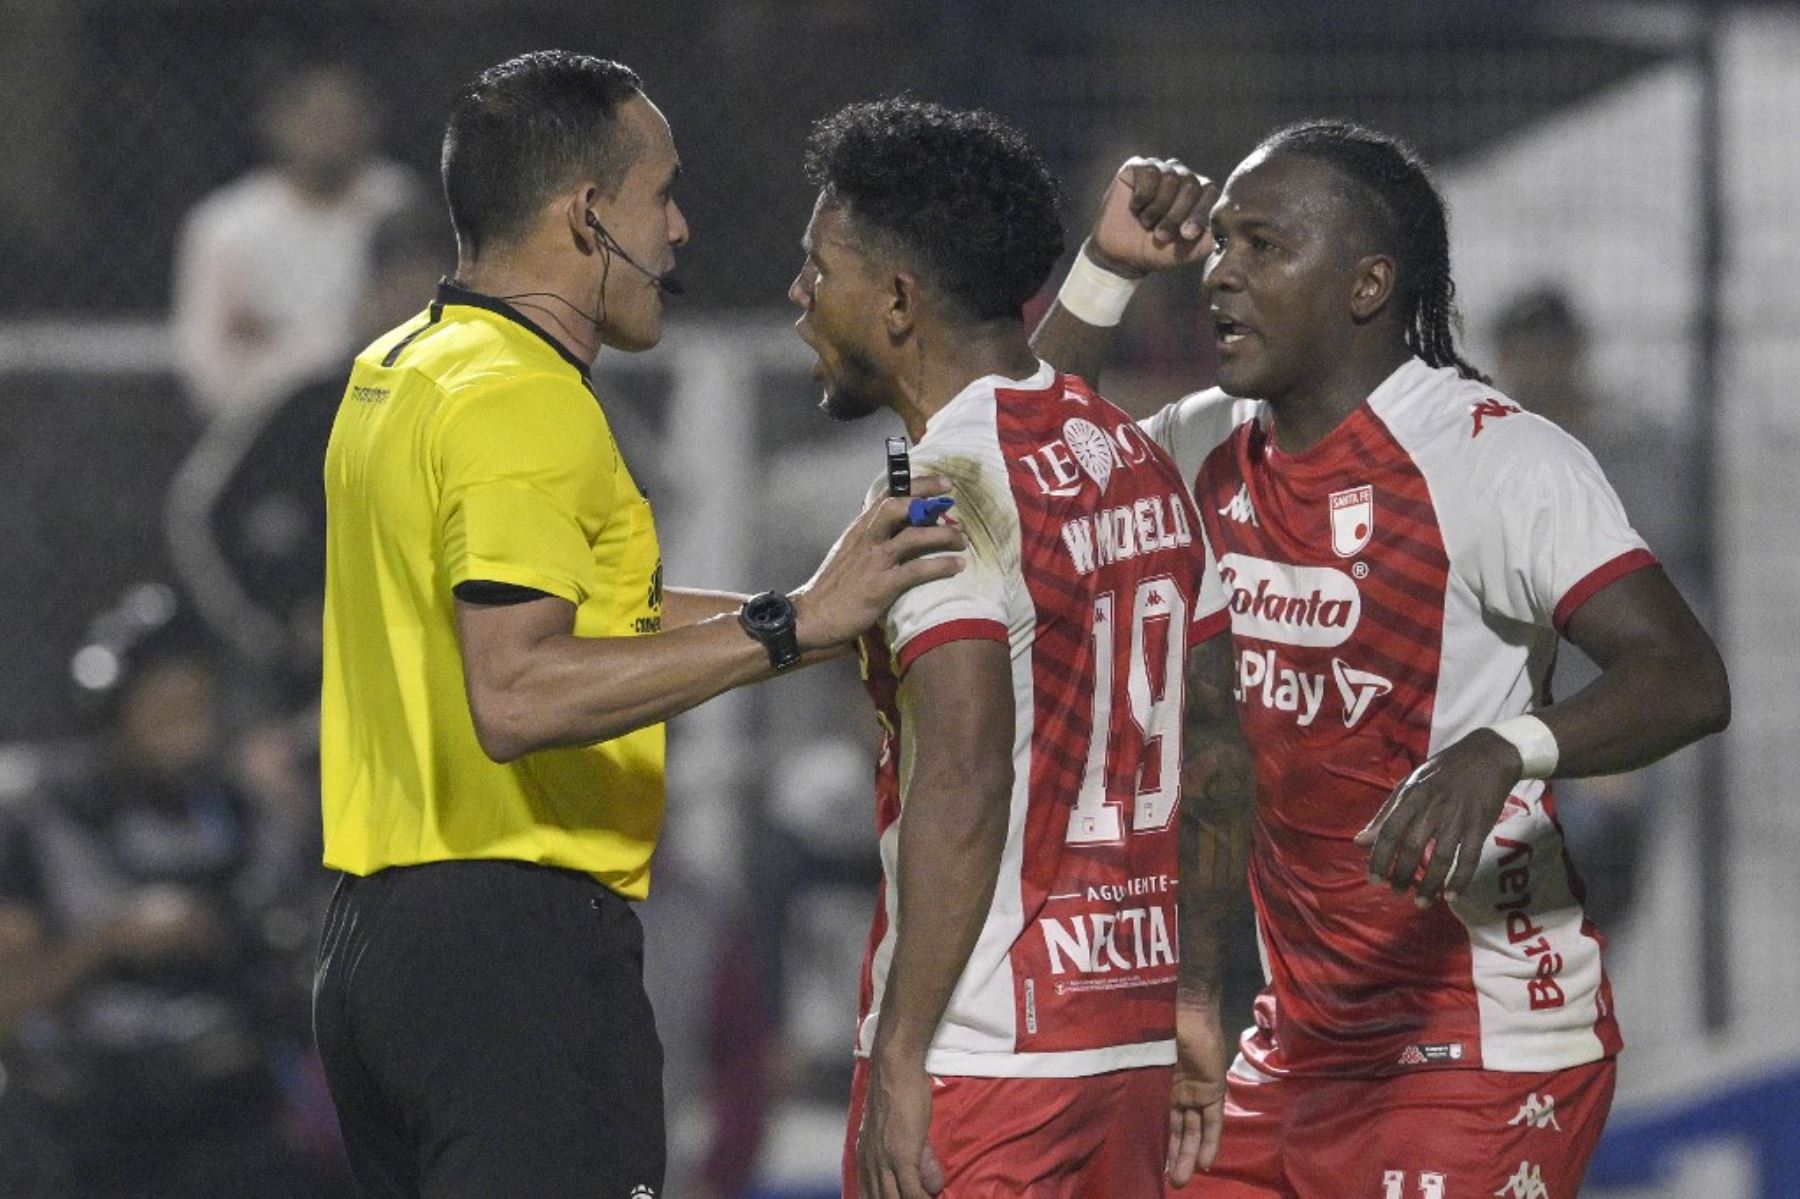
(769, 618)
(769, 610)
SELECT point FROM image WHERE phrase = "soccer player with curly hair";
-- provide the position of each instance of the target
(1018, 1014)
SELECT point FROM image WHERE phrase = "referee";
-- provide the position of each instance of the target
(499, 654)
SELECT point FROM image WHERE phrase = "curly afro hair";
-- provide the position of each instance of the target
(956, 193)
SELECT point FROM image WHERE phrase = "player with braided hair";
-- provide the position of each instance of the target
(1401, 547)
(1403, 202)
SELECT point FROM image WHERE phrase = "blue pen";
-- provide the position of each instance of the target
(925, 511)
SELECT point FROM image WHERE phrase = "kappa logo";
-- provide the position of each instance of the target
(1352, 520)
(1527, 1182)
(1238, 508)
(1490, 409)
(1358, 689)
(1423, 1055)
(1537, 1113)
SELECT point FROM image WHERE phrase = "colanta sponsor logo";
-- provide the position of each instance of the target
(1296, 605)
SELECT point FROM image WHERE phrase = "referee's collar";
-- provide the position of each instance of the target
(451, 292)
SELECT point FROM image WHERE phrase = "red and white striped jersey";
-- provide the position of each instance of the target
(1391, 589)
(1086, 560)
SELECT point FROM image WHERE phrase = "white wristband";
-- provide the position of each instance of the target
(1094, 295)
(1535, 742)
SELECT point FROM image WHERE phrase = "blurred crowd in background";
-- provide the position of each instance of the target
(264, 182)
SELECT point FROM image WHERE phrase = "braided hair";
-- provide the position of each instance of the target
(1404, 210)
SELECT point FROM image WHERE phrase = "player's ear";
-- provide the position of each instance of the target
(903, 297)
(1372, 286)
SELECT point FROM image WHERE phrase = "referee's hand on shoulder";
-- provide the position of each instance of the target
(877, 558)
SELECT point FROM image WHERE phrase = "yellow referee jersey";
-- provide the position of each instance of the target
(468, 446)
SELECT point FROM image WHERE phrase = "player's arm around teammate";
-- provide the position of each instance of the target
(961, 696)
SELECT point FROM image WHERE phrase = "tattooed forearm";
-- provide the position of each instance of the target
(1217, 795)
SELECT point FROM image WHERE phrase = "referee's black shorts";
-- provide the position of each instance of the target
(485, 1032)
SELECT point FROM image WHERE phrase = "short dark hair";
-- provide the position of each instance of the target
(526, 128)
(958, 193)
(1402, 209)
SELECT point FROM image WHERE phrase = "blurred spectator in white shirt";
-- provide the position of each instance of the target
(246, 515)
(1541, 348)
(269, 266)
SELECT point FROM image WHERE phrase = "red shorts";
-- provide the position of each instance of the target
(1426, 1135)
(1100, 1137)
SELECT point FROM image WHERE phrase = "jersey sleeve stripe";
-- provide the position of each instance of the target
(951, 630)
(1610, 572)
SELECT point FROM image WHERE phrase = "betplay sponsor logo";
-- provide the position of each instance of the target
(1263, 678)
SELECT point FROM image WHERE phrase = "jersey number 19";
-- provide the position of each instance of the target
(1157, 607)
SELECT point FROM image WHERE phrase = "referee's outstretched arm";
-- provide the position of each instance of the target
(532, 683)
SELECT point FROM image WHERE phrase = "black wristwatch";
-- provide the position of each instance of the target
(769, 618)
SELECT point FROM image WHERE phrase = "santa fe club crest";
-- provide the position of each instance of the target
(1352, 520)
